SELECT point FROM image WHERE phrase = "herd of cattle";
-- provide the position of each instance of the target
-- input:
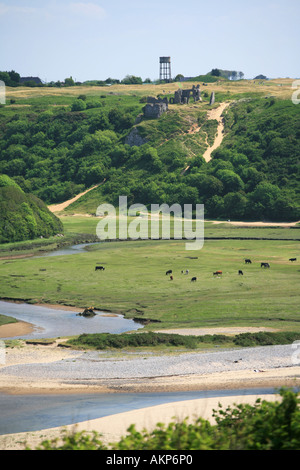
(219, 273)
(216, 273)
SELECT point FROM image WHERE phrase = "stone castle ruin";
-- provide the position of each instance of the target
(183, 96)
(155, 107)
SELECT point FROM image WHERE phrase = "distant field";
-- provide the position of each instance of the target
(281, 88)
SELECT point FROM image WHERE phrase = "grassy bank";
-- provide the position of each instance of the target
(135, 283)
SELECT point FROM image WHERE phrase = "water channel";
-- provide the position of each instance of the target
(24, 413)
(52, 323)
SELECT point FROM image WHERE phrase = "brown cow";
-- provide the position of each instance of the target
(218, 273)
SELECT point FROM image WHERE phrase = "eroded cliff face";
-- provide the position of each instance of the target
(135, 139)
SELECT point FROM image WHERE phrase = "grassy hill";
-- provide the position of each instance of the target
(24, 216)
(57, 142)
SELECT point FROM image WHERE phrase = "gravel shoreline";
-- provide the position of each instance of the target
(49, 369)
(40, 368)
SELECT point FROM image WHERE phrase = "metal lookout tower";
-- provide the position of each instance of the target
(165, 69)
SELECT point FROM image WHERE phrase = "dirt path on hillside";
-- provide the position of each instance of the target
(63, 205)
(256, 224)
(217, 115)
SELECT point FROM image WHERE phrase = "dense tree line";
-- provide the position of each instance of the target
(12, 79)
(57, 153)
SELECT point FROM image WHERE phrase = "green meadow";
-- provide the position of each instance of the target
(135, 283)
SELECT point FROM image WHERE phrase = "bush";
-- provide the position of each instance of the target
(265, 338)
(108, 340)
(78, 105)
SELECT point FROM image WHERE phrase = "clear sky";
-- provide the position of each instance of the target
(97, 39)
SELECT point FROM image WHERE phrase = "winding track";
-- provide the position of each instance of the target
(217, 115)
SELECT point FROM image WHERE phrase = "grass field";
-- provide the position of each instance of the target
(281, 88)
(134, 281)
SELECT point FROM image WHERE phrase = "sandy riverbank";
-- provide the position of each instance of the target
(112, 428)
(27, 354)
(19, 328)
(176, 380)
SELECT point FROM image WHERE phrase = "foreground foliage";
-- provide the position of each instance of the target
(262, 426)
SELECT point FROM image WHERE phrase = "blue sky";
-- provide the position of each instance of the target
(98, 39)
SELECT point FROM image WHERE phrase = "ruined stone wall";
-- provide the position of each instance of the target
(183, 96)
(155, 107)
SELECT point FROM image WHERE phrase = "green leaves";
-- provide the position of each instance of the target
(23, 216)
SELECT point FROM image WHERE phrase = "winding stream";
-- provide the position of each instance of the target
(52, 323)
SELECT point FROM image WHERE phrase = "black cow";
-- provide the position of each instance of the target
(169, 272)
(194, 279)
(241, 273)
(100, 268)
(293, 259)
(248, 261)
(264, 265)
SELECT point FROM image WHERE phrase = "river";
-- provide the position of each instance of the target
(24, 413)
(53, 323)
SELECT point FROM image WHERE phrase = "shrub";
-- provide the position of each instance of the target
(265, 338)
(108, 340)
(78, 105)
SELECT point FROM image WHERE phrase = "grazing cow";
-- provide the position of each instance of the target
(293, 259)
(241, 273)
(194, 279)
(248, 261)
(169, 272)
(218, 273)
(171, 278)
(264, 265)
(100, 268)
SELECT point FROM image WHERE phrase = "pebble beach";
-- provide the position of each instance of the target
(52, 369)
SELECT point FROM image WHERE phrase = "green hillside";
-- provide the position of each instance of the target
(24, 216)
(55, 144)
